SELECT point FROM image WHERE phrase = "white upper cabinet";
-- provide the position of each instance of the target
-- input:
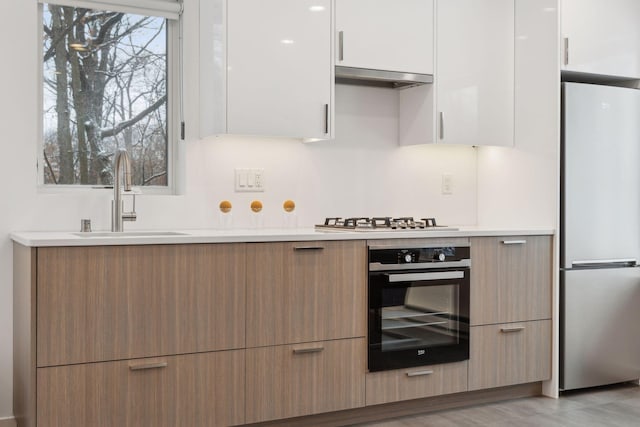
(601, 37)
(390, 35)
(475, 72)
(266, 68)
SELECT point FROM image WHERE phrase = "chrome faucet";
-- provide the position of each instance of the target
(121, 166)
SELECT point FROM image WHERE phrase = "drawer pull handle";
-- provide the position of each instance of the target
(419, 373)
(514, 242)
(308, 248)
(140, 367)
(307, 350)
(512, 329)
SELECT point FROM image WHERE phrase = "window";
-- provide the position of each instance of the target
(106, 85)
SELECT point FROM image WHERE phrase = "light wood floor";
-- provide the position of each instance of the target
(615, 406)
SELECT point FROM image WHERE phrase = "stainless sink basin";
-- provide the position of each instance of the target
(130, 234)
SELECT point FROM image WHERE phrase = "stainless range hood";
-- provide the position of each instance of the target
(392, 79)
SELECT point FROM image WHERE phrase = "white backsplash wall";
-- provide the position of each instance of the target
(362, 172)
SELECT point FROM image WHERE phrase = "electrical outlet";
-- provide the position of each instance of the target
(258, 179)
(447, 184)
(249, 180)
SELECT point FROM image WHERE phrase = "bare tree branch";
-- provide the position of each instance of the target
(53, 175)
(125, 124)
(52, 49)
(106, 27)
(151, 178)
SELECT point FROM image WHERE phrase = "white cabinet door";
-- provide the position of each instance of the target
(475, 72)
(601, 37)
(391, 35)
(267, 69)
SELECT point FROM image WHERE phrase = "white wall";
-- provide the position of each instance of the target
(17, 134)
(362, 172)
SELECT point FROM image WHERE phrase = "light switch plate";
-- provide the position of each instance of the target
(447, 184)
(249, 180)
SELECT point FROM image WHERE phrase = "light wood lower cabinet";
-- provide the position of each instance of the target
(302, 379)
(510, 279)
(124, 302)
(414, 383)
(305, 291)
(205, 389)
(511, 353)
(155, 335)
(91, 312)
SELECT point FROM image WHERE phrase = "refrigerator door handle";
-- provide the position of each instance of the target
(624, 262)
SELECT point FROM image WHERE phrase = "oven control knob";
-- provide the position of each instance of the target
(439, 256)
(407, 258)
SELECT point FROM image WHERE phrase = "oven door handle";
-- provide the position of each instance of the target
(436, 275)
(378, 266)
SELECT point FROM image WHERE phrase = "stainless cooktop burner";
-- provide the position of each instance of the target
(384, 223)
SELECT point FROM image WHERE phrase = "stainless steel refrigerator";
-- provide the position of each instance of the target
(600, 236)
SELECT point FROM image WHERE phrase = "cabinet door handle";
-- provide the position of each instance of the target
(419, 373)
(308, 248)
(308, 350)
(153, 365)
(341, 45)
(441, 125)
(514, 242)
(326, 118)
(566, 51)
(512, 329)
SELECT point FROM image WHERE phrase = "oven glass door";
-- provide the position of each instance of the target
(418, 318)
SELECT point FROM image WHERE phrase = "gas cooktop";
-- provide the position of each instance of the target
(384, 223)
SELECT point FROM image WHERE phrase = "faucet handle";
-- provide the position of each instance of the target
(131, 216)
(133, 191)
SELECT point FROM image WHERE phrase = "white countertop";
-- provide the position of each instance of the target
(138, 237)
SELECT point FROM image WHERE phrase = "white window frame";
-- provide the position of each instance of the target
(175, 149)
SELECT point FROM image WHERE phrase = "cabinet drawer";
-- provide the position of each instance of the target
(506, 354)
(205, 389)
(414, 383)
(510, 279)
(303, 379)
(125, 302)
(305, 291)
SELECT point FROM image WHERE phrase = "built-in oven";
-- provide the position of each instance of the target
(418, 305)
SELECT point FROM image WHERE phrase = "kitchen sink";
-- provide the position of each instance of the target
(130, 234)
